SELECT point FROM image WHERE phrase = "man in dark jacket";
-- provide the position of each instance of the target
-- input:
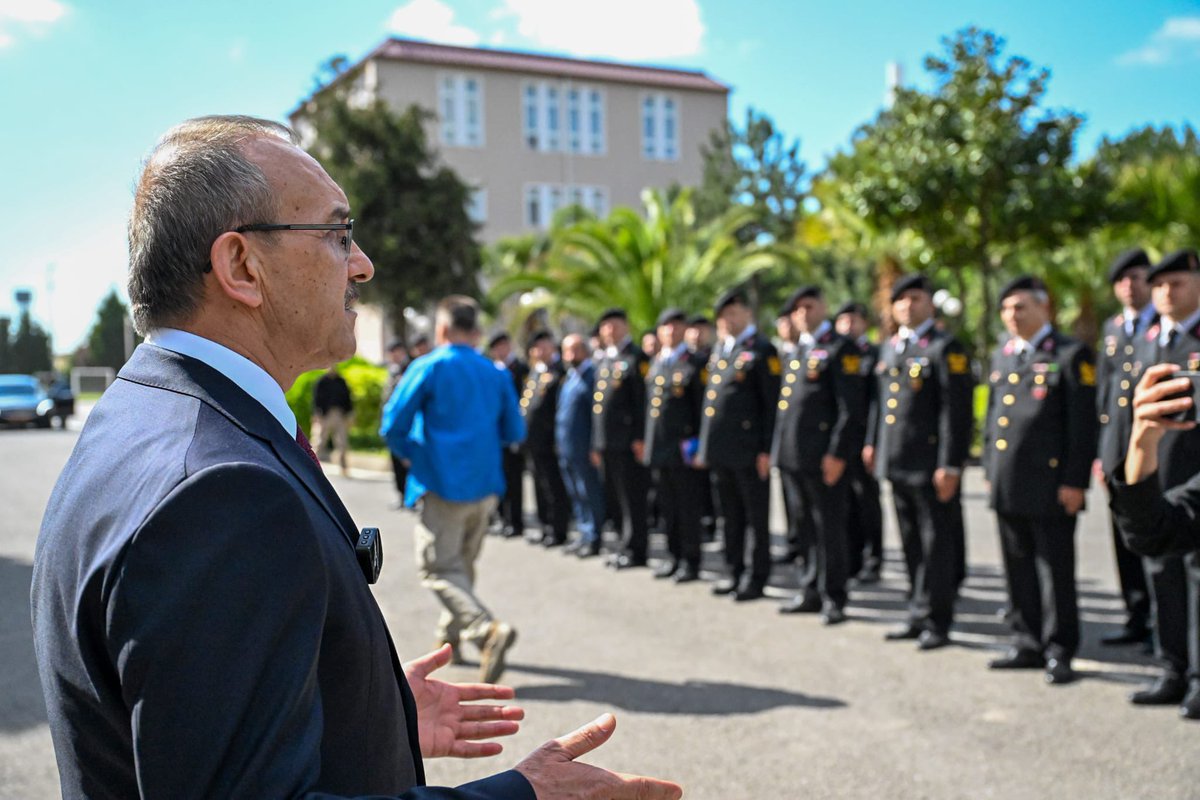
(333, 410)
(539, 406)
(512, 503)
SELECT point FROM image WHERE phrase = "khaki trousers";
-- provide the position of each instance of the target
(448, 538)
(333, 424)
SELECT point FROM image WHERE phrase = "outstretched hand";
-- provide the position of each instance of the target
(446, 724)
(555, 774)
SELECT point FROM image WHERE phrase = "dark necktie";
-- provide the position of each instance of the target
(302, 440)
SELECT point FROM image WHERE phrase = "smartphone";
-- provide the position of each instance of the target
(1188, 414)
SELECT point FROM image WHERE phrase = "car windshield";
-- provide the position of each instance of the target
(15, 390)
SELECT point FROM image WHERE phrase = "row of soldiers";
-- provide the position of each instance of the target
(833, 413)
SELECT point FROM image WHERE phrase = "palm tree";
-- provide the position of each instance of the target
(640, 263)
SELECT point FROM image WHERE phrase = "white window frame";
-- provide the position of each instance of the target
(477, 205)
(455, 126)
(549, 109)
(550, 198)
(656, 144)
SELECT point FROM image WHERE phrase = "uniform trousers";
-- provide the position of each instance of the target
(553, 505)
(448, 537)
(512, 502)
(864, 519)
(585, 487)
(1167, 578)
(630, 481)
(1039, 567)
(745, 500)
(1131, 573)
(929, 534)
(826, 562)
(800, 532)
(680, 489)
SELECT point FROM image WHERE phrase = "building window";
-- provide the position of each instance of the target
(460, 106)
(544, 200)
(563, 117)
(660, 127)
(477, 206)
(533, 206)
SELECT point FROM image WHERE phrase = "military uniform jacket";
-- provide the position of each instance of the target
(1114, 388)
(738, 419)
(924, 416)
(1041, 425)
(539, 404)
(822, 404)
(1179, 451)
(675, 395)
(619, 407)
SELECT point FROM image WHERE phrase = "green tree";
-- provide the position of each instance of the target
(976, 168)
(641, 263)
(5, 345)
(106, 340)
(756, 168)
(411, 209)
(30, 348)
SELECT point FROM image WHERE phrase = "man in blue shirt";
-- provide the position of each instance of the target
(573, 440)
(450, 417)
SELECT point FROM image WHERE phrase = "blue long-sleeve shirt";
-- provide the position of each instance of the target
(573, 421)
(450, 416)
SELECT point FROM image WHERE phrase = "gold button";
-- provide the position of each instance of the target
(524, 402)
(1009, 399)
(915, 372)
(1039, 379)
(795, 363)
(894, 370)
(893, 387)
(596, 409)
(1002, 422)
(598, 396)
(722, 364)
(1053, 463)
(889, 419)
(708, 412)
(1014, 377)
(1001, 444)
(791, 377)
(601, 384)
(786, 391)
(1128, 349)
(715, 379)
(660, 380)
(892, 402)
(1124, 384)
(654, 413)
(1127, 367)
(712, 394)
(1104, 419)
(1122, 401)
(656, 401)
(783, 405)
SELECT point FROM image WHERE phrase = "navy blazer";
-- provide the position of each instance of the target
(573, 418)
(201, 624)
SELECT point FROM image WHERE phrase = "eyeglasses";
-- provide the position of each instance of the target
(348, 227)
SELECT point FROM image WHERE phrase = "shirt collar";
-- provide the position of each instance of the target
(731, 342)
(911, 334)
(1185, 325)
(673, 355)
(1038, 338)
(250, 377)
(807, 339)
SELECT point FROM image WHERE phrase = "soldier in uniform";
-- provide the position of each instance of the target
(1039, 444)
(1114, 382)
(918, 439)
(675, 390)
(617, 429)
(512, 504)
(539, 405)
(699, 338)
(1174, 339)
(800, 532)
(864, 522)
(735, 442)
(818, 428)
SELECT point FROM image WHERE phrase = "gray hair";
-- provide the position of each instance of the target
(458, 313)
(196, 184)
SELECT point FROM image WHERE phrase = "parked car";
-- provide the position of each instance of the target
(64, 400)
(23, 400)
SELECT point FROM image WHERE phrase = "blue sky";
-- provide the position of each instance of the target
(87, 87)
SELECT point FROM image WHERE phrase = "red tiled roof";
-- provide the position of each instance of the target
(513, 61)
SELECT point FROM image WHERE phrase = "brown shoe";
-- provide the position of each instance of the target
(455, 651)
(501, 636)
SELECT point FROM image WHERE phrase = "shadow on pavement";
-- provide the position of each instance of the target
(690, 697)
(21, 703)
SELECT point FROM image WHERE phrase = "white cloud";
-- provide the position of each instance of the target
(32, 16)
(1177, 40)
(622, 29)
(432, 20)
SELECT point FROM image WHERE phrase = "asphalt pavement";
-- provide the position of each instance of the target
(733, 701)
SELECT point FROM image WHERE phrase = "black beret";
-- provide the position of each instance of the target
(699, 319)
(789, 305)
(1128, 260)
(1023, 283)
(852, 307)
(671, 315)
(613, 313)
(538, 336)
(914, 280)
(730, 297)
(497, 338)
(1180, 261)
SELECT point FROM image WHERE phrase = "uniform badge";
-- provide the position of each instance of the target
(958, 363)
(644, 367)
(677, 391)
(851, 364)
(995, 376)
(773, 365)
(1193, 361)
(1087, 374)
(1039, 392)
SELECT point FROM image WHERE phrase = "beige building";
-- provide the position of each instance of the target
(535, 133)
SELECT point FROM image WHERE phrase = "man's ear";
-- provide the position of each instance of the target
(237, 269)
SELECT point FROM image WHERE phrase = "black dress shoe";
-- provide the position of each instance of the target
(572, 548)
(1059, 672)
(932, 640)
(553, 541)
(725, 586)
(800, 605)
(748, 591)
(1190, 707)
(833, 615)
(628, 562)
(865, 577)
(1018, 659)
(1168, 690)
(909, 631)
(1126, 636)
(588, 550)
(666, 569)
(686, 574)
(785, 558)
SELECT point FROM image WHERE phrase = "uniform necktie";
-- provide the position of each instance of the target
(1172, 337)
(302, 440)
